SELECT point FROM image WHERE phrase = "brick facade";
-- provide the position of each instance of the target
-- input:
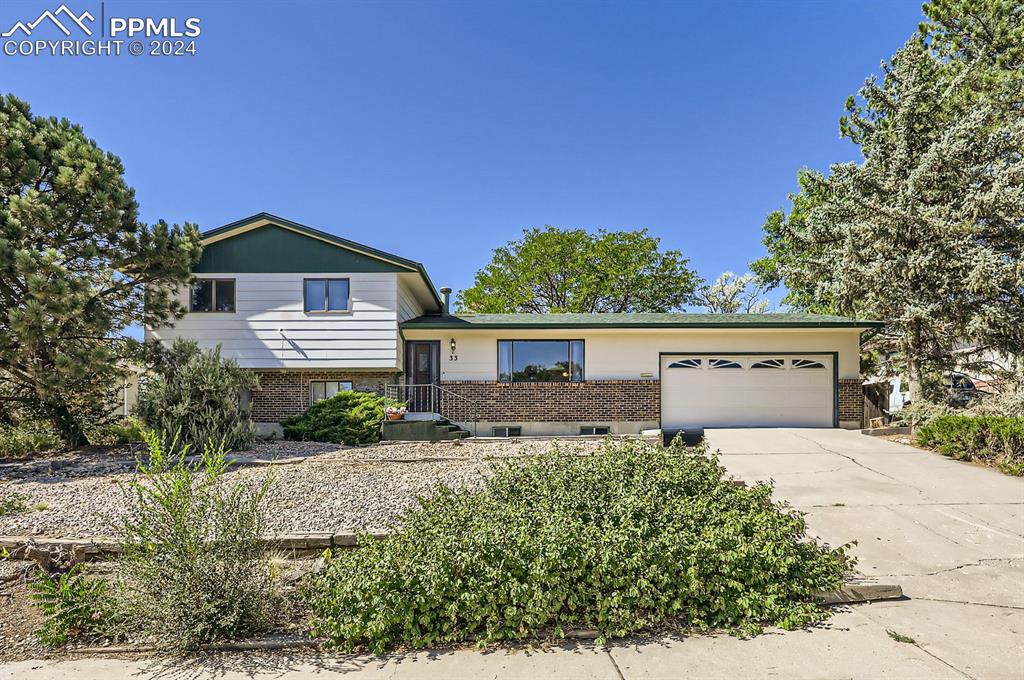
(851, 400)
(286, 393)
(553, 402)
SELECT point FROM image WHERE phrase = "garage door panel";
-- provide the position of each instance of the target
(747, 396)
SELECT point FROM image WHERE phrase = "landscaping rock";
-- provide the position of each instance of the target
(334, 489)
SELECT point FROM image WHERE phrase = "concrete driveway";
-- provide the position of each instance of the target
(950, 533)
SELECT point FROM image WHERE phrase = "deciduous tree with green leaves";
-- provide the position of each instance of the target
(732, 294)
(77, 267)
(572, 270)
(927, 232)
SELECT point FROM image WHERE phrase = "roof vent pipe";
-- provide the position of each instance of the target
(446, 295)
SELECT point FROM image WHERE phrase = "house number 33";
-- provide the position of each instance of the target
(453, 357)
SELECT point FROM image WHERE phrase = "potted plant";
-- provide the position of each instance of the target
(395, 412)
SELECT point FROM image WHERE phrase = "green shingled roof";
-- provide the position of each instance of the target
(674, 320)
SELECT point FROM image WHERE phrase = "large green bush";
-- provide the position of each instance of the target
(194, 568)
(629, 538)
(348, 417)
(993, 440)
(197, 395)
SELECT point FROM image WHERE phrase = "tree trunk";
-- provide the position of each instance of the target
(912, 345)
(914, 378)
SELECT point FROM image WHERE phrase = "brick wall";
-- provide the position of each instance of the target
(598, 401)
(287, 393)
(851, 399)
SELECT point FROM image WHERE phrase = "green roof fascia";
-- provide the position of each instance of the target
(476, 322)
(411, 265)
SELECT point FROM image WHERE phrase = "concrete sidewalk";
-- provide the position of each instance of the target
(952, 534)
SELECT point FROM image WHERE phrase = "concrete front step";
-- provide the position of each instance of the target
(421, 431)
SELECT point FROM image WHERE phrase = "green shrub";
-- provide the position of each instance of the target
(12, 504)
(28, 437)
(629, 538)
(194, 568)
(198, 395)
(348, 417)
(990, 439)
(74, 606)
(120, 433)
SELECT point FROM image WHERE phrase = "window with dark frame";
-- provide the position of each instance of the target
(325, 295)
(212, 295)
(509, 431)
(325, 389)
(593, 429)
(540, 361)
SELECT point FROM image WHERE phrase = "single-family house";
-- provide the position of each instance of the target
(314, 313)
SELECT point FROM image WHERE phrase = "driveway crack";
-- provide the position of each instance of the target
(615, 664)
(969, 602)
(979, 563)
(858, 463)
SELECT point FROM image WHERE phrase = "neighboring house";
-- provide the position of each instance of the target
(976, 371)
(313, 313)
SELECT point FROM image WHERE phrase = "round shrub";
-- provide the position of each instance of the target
(626, 539)
(348, 417)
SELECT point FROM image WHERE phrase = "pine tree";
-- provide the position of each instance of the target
(76, 269)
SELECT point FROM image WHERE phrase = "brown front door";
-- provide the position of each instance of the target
(423, 370)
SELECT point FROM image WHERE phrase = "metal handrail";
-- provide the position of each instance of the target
(434, 391)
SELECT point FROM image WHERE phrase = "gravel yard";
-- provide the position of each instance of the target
(317, 487)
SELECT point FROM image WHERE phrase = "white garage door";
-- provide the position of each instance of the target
(723, 390)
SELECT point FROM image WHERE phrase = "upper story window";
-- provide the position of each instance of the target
(540, 360)
(326, 295)
(213, 295)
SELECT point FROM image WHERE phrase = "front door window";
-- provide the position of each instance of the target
(423, 372)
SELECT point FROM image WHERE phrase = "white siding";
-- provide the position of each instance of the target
(408, 308)
(269, 328)
(631, 354)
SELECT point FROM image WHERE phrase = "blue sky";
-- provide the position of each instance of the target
(438, 130)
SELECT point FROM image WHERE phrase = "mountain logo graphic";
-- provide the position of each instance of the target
(53, 16)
